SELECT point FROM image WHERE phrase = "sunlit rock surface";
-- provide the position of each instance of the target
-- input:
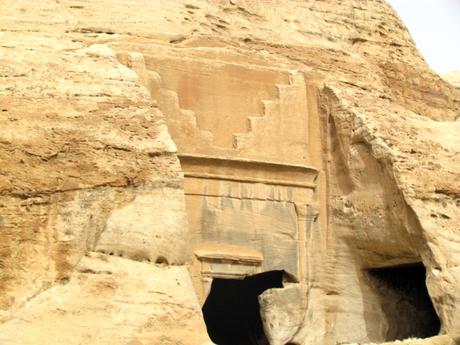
(148, 147)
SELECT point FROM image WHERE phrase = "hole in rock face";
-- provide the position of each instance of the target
(405, 302)
(231, 311)
(161, 260)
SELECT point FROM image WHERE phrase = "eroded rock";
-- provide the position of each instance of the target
(283, 312)
(309, 133)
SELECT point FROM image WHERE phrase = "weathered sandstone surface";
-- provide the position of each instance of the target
(439, 340)
(151, 148)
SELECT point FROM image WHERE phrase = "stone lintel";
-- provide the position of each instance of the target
(227, 252)
(248, 170)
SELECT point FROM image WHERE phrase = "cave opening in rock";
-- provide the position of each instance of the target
(405, 303)
(231, 311)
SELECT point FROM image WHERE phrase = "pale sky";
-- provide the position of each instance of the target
(435, 28)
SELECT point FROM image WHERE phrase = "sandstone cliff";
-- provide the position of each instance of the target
(327, 101)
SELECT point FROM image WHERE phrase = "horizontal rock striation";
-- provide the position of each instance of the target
(337, 155)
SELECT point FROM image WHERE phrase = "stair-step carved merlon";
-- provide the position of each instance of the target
(282, 129)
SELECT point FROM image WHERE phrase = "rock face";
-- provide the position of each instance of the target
(111, 300)
(282, 312)
(440, 340)
(149, 147)
(88, 166)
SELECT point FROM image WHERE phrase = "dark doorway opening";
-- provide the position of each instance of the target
(231, 311)
(405, 301)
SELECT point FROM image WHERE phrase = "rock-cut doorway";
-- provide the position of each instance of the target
(231, 311)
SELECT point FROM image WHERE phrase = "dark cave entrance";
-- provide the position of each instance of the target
(231, 311)
(405, 301)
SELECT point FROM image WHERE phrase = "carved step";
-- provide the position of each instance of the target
(272, 110)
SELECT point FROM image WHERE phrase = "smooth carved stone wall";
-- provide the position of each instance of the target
(253, 205)
(269, 205)
(260, 194)
(236, 109)
(222, 95)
